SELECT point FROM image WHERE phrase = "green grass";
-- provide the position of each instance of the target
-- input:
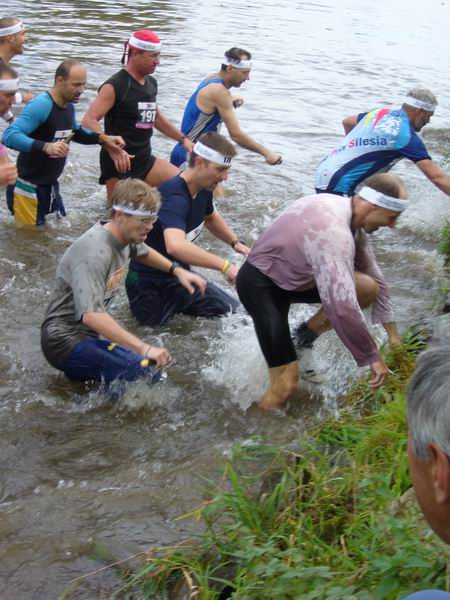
(328, 522)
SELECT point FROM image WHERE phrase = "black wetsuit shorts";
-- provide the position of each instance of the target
(268, 305)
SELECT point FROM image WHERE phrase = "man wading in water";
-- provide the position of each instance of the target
(88, 276)
(318, 251)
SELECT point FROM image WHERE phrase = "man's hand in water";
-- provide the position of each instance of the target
(273, 159)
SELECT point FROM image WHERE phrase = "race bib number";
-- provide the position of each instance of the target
(147, 115)
(63, 135)
(193, 235)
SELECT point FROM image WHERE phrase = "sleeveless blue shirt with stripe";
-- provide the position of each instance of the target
(195, 122)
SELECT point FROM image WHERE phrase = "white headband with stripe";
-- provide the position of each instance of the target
(411, 101)
(9, 85)
(12, 29)
(135, 42)
(240, 64)
(212, 155)
(382, 200)
(135, 212)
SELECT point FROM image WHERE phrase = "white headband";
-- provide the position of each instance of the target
(135, 42)
(9, 85)
(382, 200)
(136, 212)
(240, 64)
(411, 101)
(11, 30)
(212, 155)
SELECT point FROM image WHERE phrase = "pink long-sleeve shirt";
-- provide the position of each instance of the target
(312, 244)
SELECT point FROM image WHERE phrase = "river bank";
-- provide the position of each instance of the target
(335, 518)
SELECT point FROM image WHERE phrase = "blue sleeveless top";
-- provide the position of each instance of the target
(195, 122)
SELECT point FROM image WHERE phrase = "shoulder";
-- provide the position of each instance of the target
(174, 185)
(39, 103)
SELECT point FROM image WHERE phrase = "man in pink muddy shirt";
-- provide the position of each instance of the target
(318, 251)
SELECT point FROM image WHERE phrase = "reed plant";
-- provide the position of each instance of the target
(333, 519)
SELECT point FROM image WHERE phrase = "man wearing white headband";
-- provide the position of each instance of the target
(212, 103)
(42, 134)
(376, 140)
(8, 88)
(318, 251)
(78, 335)
(127, 102)
(12, 41)
(187, 207)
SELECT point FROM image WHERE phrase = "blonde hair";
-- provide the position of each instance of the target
(135, 194)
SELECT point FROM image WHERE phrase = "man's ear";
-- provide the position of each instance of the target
(440, 473)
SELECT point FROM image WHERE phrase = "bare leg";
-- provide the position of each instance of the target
(283, 383)
(366, 292)
(110, 185)
(161, 171)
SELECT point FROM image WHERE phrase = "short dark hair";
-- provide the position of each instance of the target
(235, 55)
(386, 183)
(217, 142)
(7, 70)
(63, 69)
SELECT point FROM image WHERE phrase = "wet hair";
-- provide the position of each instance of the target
(63, 69)
(235, 55)
(422, 94)
(7, 22)
(386, 183)
(7, 72)
(217, 142)
(429, 400)
(135, 194)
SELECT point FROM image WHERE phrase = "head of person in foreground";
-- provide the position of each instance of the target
(134, 210)
(429, 436)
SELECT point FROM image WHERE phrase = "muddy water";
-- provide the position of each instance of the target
(77, 475)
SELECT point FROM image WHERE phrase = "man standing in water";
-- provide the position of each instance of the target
(8, 89)
(88, 276)
(318, 251)
(12, 41)
(187, 206)
(127, 101)
(41, 135)
(212, 103)
(376, 140)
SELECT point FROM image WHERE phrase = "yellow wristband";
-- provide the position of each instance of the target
(225, 267)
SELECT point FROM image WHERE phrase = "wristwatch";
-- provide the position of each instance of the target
(174, 266)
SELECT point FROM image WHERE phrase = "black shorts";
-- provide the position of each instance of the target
(268, 305)
(140, 166)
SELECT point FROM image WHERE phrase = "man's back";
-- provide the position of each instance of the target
(380, 138)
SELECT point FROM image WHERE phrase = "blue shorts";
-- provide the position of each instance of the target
(155, 301)
(30, 203)
(178, 155)
(100, 360)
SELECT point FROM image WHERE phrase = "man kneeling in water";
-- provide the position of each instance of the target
(88, 276)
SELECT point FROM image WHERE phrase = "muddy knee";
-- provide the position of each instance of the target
(366, 289)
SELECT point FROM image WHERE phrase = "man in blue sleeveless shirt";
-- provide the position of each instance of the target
(187, 207)
(212, 103)
(376, 140)
(41, 135)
